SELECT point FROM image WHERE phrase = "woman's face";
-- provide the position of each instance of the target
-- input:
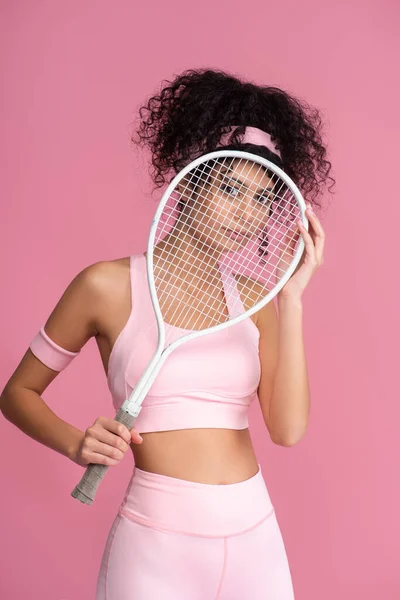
(231, 208)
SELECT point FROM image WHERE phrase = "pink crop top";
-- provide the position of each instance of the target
(206, 382)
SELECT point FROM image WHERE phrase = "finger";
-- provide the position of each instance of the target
(308, 241)
(91, 457)
(102, 434)
(97, 447)
(319, 235)
(99, 459)
(136, 437)
(117, 428)
(291, 238)
(315, 222)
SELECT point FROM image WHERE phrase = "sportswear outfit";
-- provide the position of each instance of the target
(174, 539)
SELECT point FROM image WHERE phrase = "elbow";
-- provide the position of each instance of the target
(285, 442)
(3, 400)
(6, 401)
(288, 439)
(4, 404)
(282, 441)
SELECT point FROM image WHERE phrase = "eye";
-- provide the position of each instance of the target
(228, 189)
(266, 199)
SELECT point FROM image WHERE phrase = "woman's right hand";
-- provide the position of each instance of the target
(105, 443)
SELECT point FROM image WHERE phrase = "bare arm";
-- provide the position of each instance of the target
(74, 320)
(284, 389)
(290, 399)
(28, 411)
(71, 324)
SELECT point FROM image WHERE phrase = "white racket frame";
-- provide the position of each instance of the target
(127, 414)
(132, 404)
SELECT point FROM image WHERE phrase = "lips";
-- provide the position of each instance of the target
(236, 234)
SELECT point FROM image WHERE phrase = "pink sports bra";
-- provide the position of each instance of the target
(206, 382)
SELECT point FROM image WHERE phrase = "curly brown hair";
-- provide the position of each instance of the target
(189, 115)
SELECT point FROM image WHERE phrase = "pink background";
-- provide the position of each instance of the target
(73, 192)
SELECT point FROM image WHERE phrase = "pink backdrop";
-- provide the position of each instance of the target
(74, 192)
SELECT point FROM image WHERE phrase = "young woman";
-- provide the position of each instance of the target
(196, 521)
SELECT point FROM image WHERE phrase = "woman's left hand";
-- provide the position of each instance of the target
(311, 259)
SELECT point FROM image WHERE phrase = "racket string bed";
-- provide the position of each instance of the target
(274, 253)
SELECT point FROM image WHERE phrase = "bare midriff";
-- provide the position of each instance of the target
(215, 456)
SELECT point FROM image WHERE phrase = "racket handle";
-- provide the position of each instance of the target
(86, 489)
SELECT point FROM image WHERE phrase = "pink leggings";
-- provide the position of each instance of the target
(174, 539)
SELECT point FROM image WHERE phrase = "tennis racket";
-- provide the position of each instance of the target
(227, 211)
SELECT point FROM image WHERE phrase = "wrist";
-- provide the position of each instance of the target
(290, 300)
(74, 444)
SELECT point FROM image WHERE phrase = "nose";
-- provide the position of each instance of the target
(244, 209)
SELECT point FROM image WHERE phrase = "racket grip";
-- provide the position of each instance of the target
(86, 489)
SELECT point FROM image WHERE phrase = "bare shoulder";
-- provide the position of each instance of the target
(108, 283)
(104, 275)
(85, 305)
(86, 302)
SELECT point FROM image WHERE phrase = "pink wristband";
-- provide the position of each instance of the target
(48, 352)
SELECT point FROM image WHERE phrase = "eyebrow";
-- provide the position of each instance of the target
(260, 190)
